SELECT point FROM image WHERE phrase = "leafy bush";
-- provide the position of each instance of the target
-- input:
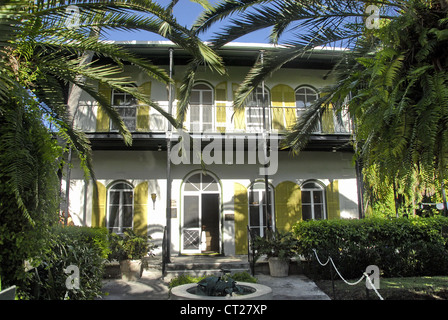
(83, 247)
(130, 246)
(399, 247)
(276, 244)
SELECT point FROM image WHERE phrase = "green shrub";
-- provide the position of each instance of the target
(399, 247)
(129, 246)
(83, 247)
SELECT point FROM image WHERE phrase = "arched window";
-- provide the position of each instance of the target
(313, 201)
(201, 108)
(120, 213)
(305, 96)
(126, 106)
(259, 205)
(254, 110)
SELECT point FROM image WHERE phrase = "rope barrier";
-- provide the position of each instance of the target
(364, 275)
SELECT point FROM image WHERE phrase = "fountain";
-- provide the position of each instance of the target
(221, 288)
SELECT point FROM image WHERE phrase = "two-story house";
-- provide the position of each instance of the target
(208, 205)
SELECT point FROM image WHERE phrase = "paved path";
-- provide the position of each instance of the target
(152, 287)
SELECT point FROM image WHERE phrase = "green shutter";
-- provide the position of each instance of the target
(141, 209)
(288, 205)
(221, 99)
(241, 207)
(99, 205)
(143, 109)
(102, 119)
(332, 195)
(239, 119)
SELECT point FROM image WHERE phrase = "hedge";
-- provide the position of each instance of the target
(83, 247)
(398, 246)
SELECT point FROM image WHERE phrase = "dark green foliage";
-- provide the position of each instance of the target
(399, 247)
(83, 247)
(129, 246)
(29, 193)
(276, 244)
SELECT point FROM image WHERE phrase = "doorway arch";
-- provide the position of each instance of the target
(201, 213)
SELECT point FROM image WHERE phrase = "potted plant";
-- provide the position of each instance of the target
(279, 248)
(130, 249)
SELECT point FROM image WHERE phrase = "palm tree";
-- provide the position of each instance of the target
(46, 48)
(395, 75)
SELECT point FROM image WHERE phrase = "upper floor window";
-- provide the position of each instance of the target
(201, 108)
(120, 208)
(254, 109)
(313, 201)
(305, 96)
(126, 106)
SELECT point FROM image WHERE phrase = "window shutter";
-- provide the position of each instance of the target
(221, 101)
(283, 107)
(277, 108)
(143, 109)
(332, 197)
(328, 119)
(102, 119)
(99, 205)
(241, 207)
(288, 205)
(290, 110)
(141, 209)
(239, 119)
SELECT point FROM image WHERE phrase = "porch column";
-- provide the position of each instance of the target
(168, 165)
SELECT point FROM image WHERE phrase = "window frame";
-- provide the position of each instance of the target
(312, 204)
(301, 110)
(132, 106)
(261, 227)
(257, 104)
(128, 188)
(201, 107)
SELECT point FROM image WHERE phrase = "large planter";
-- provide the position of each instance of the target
(278, 267)
(131, 270)
(256, 292)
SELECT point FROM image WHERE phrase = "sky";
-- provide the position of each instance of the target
(186, 13)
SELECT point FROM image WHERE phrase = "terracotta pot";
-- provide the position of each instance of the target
(278, 267)
(131, 270)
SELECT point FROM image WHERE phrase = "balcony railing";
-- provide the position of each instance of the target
(219, 119)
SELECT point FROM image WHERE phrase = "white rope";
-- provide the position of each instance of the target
(372, 286)
(339, 274)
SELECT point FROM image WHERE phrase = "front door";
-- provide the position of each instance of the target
(200, 232)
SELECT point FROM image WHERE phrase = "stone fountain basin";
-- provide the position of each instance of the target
(257, 292)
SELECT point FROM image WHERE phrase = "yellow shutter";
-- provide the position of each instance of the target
(283, 102)
(277, 108)
(220, 100)
(328, 120)
(332, 196)
(288, 205)
(290, 108)
(239, 121)
(143, 109)
(141, 209)
(99, 205)
(241, 207)
(102, 119)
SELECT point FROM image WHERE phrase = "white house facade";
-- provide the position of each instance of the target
(208, 203)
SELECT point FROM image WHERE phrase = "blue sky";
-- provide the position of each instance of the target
(186, 13)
